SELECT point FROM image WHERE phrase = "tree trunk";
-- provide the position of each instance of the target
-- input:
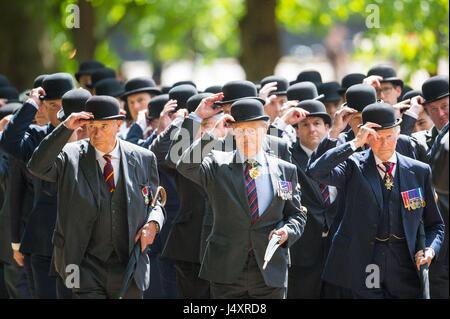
(260, 43)
(21, 34)
(84, 38)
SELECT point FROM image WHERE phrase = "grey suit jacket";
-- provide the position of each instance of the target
(74, 167)
(221, 175)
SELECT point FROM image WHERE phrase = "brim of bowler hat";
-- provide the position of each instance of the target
(239, 99)
(279, 93)
(114, 117)
(46, 97)
(252, 119)
(393, 80)
(141, 90)
(320, 97)
(436, 98)
(397, 123)
(326, 117)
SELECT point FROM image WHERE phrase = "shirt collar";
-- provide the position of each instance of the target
(115, 153)
(259, 157)
(393, 159)
(308, 151)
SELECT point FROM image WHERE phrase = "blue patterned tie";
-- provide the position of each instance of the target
(325, 191)
(252, 195)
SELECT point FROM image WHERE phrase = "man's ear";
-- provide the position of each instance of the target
(119, 123)
(398, 90)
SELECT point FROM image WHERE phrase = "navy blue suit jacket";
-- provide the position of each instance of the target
(356, 175)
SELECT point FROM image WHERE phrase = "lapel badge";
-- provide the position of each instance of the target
(285, 190)
(146, 194)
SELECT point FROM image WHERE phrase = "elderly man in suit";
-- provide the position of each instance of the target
(375, 251)
(253, 196)
(104, 187)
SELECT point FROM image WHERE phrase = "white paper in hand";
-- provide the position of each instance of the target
(274, 243)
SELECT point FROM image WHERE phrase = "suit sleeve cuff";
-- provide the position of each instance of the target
(15, 246)
(353, 146)
(32, 102)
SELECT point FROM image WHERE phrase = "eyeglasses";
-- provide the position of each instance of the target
(384, 91)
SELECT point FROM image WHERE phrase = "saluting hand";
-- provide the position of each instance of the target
(35, 94)
(341, 119)
(205, 109)
(76, 120)
(267, 89)
(373, 80)
(366, 132)
(294, 115)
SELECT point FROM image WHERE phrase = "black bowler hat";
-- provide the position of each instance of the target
(282, 84)
(405, 89)
(101, 74)
(110, 87)
(308, 76)
(195, 100)
(435, 88)
(387, 73)
(55, 85)
(73, 101)
(410, 94)
(236, 90)
(349, 80)
(247, 110)
(330, 90)
(4, 81)
(9, 108)
(315, 109)
(181, 94)
(156, 106)
(382, 114)
(358, 96)
(303, 91)
(9, 93)
(184, 82)
(214, 89)
(87, 68)
(39, 80)
(104, 108)
(140, 85)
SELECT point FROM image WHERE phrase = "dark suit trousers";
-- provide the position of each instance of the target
(16, 282)
(399, 277)
(103, 280)
(439, 279)
(250, 285)
(41, 283)
(190, 286)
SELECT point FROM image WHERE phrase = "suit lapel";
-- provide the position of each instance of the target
(128, 164)
(370, 171)
(88, 164)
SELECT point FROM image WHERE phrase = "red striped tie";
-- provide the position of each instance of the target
(252, 195)
(108, 173)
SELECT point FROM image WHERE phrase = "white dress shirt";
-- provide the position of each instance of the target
(115, 161)
(381, 168)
